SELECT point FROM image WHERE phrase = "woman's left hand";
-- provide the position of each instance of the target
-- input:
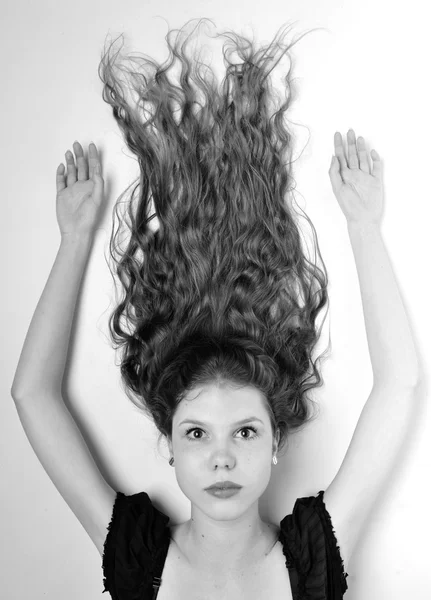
(357, 186)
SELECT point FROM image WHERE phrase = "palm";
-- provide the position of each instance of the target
(77, 207)
(358, 189)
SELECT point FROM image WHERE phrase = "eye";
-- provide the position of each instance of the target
(242, 429)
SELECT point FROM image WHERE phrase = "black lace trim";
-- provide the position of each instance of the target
(336, 558)
(294, 571)
(108, 558)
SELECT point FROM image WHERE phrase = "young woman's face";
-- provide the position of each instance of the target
(220, 448)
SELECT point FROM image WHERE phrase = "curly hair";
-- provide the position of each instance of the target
(222, 292)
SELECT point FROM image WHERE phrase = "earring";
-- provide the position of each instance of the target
(171, 461)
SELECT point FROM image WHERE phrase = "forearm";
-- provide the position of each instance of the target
(390, 341)
(43, 357)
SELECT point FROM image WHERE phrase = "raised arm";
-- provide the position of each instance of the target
(49, 426)
(383, 424)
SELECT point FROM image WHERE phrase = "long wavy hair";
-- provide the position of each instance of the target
(222, 292)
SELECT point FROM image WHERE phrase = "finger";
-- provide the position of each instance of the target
(339, 149)
(377, 164)
(71, 169)
(351, 150)
(363, 155)
(81, 162)
(60, 179)
(334, 175)
(93, 160)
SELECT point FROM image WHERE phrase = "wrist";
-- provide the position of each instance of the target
(363, 227)
(76, 239)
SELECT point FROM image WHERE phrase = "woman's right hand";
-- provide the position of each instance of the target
(79, 198)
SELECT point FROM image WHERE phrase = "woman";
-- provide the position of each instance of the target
(217, 326)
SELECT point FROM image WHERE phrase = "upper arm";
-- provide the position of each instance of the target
(370, 457)
(63, 453)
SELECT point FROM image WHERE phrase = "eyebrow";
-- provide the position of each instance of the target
(248, 420)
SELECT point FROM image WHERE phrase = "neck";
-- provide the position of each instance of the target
(227, 544)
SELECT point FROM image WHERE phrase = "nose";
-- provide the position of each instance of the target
(223, 459)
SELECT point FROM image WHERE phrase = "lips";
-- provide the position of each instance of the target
(224, 485)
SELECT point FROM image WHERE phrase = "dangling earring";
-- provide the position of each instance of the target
(171, 461)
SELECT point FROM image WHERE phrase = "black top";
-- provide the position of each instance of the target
(138, 540)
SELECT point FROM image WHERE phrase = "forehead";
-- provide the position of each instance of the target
(221, 403)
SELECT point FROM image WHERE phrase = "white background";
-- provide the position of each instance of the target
(369, 70)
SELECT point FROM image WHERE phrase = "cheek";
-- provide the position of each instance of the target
(258, 454)
(189, 473)
(189, 451)
(258, 468)
(189, 461)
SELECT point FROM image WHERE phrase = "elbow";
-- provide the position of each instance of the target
(16, 395)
